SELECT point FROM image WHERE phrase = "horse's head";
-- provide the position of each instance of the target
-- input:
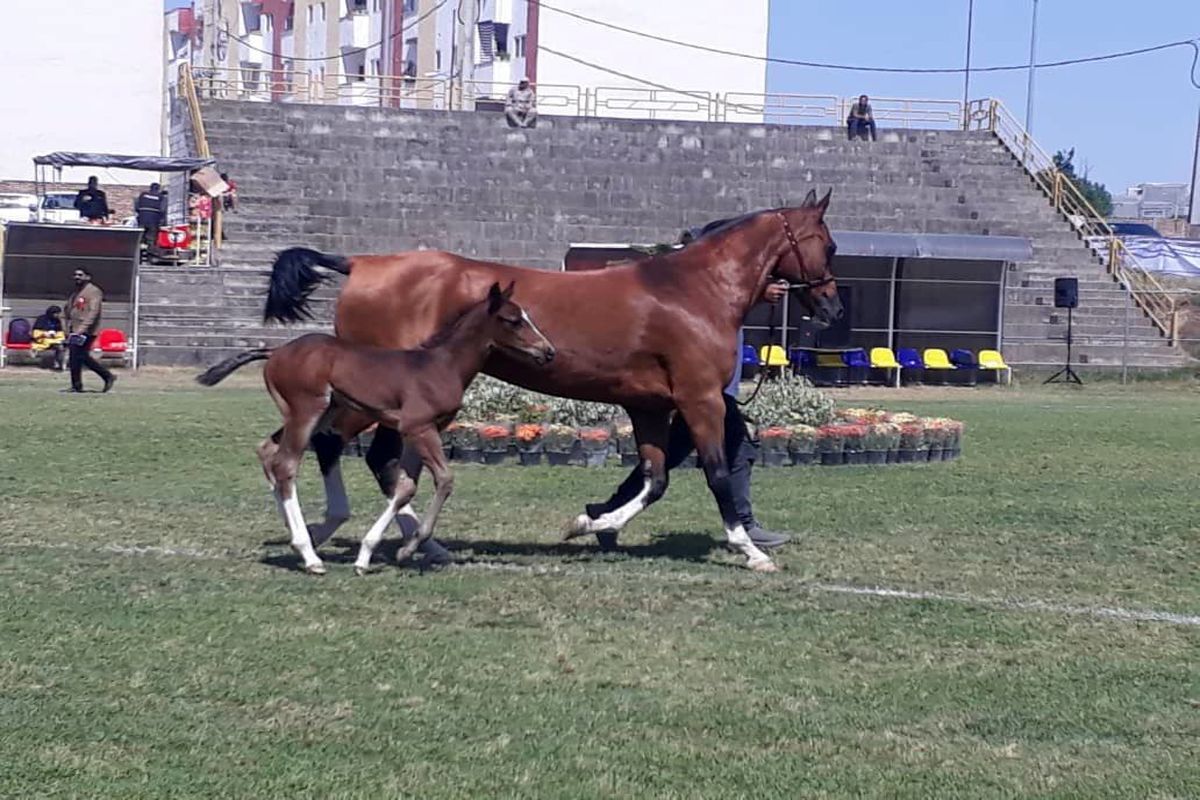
(511, 328)
(807, 256)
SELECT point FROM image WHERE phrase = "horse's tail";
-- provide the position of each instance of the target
(294, 277)
(219, 372)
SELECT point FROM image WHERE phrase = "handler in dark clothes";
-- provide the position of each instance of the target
(151, 210)
(92, 202)
(740, 451)
(83, 321)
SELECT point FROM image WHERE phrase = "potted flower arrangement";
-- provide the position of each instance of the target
(802, 444)
(912, 442)
(596, 442)
(494, 438)
(935, 436)
(559, 443)
(855, 443)
(528, 436)
(831, 444)
(773, 443)
(466, 441)
(953, 447)
(890, 433)
(627, 444)
(875, 443)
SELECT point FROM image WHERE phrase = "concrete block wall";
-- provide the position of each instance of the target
(354, 180)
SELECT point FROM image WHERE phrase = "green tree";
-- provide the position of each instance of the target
(1096, 194)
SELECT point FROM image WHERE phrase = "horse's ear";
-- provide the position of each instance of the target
(824, 203)
(508, 291)
(495, 298)
(810, 199)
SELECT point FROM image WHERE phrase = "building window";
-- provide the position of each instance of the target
(375, 6)
(357, 6)
(321, 12)
(410, 6)
(375, 66)
(410, 59)
(437, 60)
(290, 21)
(312, 10)
(519, 47)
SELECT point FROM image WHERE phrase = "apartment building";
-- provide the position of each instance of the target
(580, 53)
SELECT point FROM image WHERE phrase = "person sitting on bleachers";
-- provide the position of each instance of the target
(48, 336)
(861, 121)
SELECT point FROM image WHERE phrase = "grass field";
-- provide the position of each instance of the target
(158, 642)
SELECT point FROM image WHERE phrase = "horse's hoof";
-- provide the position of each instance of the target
(580, 526)
(764, 565)
(315, 569)
(361, 571)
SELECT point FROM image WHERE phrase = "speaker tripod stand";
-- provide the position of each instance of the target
(1066, 374)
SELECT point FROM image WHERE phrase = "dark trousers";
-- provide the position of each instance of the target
(80, 356)
(740, 452)
(855, 127)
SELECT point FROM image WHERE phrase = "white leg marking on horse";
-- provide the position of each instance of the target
(371, 540)
(756, 559)
(614, 520)
(301, 543)
(337, 507)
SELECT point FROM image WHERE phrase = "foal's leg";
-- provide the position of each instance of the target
(328, 446)
(403, 488)
(428, 445)
(388, 458)
(285, 463)
(706, 419)
(644, 486)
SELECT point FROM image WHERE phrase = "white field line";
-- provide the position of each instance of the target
(1002, 603)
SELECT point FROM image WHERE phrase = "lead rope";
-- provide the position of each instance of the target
(762, 371)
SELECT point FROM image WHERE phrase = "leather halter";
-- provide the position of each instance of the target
(795, 244)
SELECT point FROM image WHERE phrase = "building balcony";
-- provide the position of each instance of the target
(355, 31)
(250, 51)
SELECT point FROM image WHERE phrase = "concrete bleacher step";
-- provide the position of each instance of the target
(357, 180)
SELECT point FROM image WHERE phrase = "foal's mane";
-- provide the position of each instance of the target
(444, 335)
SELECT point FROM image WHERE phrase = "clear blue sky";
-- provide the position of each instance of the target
(1129, 120)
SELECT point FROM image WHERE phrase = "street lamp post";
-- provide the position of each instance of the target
(1032, 61)
(967, 73)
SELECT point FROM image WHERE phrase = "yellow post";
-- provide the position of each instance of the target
(1058, 190)
(1173, 336)
(1114, 245)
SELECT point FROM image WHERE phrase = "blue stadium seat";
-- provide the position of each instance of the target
(912, 367)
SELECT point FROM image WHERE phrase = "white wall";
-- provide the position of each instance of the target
(738, 25)
(80, 75)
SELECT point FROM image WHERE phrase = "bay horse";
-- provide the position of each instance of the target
(655, 337)
(412, 393)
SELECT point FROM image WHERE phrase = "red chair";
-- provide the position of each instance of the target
(112, 344)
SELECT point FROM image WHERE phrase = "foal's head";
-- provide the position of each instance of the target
(807, 256)
(509, 327)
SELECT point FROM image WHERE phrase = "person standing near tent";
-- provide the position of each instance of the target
(92, 202)
(83, 321)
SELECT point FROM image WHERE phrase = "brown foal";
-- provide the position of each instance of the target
(415, 393)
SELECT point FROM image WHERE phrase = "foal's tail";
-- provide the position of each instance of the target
(219, 372)
(294, 277)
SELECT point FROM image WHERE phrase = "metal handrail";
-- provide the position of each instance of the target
(187, 86)
(1147, 292)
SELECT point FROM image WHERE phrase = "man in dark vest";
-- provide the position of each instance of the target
(151, 210)
(83, 321)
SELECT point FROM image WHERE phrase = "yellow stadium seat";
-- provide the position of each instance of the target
(992, 360)
(884, 358)
(772, 356)
(936, 358)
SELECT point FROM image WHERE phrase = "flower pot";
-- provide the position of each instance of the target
(912, 456)
(558, 459)
(530, 458)
(495, 456)
(468, 455)
(876, 456)
(775, 458)
(595, 458)
(833, 459)
(935, 453)
(630, 459)
(448, 451)
(893, 456)
(802, 459)
(949, 454)
(855, 457)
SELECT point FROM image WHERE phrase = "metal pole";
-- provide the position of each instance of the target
(1194, 209)
(1125, 341)
(967, 74)
(784, 328)
(1032, 61)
